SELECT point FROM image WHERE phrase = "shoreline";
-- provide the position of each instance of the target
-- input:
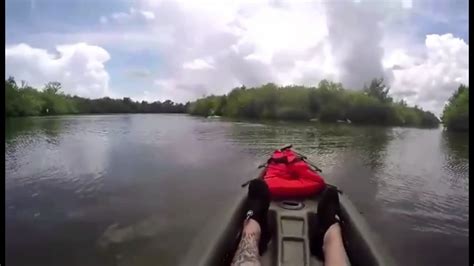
(238, 119)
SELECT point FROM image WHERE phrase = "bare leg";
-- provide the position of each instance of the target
(247, 252)
(333, 247)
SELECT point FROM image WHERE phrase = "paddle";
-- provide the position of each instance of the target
(304, 158)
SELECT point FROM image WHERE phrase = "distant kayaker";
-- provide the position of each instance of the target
(326, 242)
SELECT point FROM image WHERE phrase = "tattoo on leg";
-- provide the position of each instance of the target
(247, 252)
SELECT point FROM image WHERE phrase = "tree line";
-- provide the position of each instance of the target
(24, 100)
(328, 102)
(456, 112)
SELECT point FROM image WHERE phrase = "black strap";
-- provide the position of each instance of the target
(334, 187)
(286, 147)
(246, 183)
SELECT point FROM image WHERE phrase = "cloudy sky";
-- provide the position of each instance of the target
(179, 50)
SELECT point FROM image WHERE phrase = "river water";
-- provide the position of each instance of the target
(135, 189)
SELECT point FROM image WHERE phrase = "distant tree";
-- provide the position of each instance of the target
(24, 85)
(379, 90)
(11, 81)
(328, 102)
(402, 103)
(53, 87)
(28, 101)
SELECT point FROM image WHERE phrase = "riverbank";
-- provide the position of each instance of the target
(329, 102)
(24, 100)
(456, 112)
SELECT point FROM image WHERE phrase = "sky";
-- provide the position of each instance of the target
(181, 50)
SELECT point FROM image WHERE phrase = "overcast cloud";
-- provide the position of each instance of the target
(180, 50)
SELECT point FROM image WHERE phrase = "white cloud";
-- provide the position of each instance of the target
(303, 42)
(148, 15)
(197, 64)
(213, 48)
(407, 3)
(79, 67)
(127, 17)
(429, 79)
(255, 42)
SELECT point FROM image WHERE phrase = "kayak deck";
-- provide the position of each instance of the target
(289, 244)
(292, 221)
(291, 226)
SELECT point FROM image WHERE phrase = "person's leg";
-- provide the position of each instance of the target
(255, 233)
(333, 247)
(247, 251)
(326, 242)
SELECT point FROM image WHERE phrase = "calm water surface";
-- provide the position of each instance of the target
(136, 189)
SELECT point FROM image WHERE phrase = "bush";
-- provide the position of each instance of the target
(26, 101)
(329, 102)
(456, 112)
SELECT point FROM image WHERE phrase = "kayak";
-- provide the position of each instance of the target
(291, 220)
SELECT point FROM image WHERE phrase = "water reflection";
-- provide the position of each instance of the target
(20, 129)
(416, 188)
(456, 160)
(358, 168)
(457, 143)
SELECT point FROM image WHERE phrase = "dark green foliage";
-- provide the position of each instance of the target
(429, 119)
(211, 105)
(22, 100)
(328, 102)
(26, 101)
(456, 113)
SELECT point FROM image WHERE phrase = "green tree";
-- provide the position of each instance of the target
(329, 102)
(456, 112)
(24, 100)
(378, 90)
(53, 87)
